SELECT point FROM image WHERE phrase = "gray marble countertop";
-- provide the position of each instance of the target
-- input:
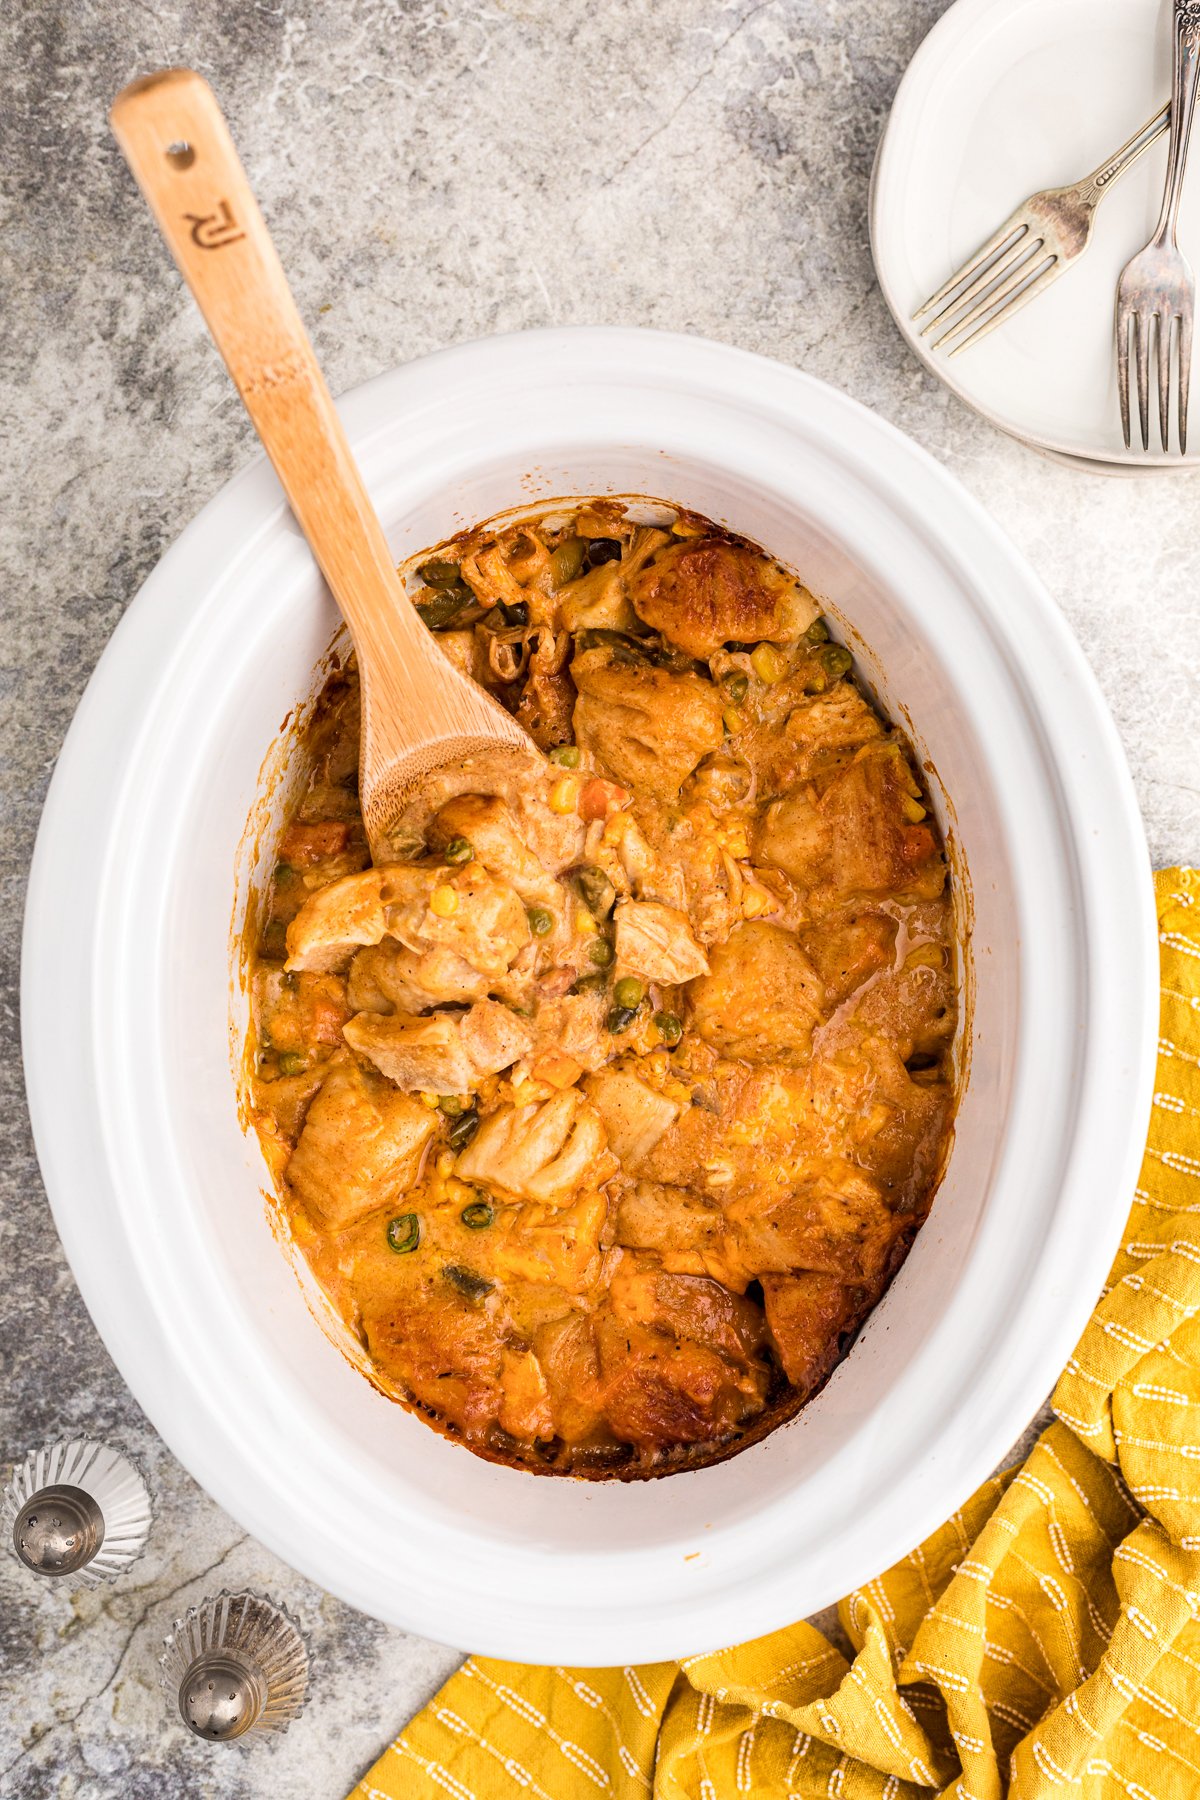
(432, 172)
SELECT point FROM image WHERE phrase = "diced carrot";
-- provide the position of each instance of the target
(302, 845)
(557, 1069)
(600, 797)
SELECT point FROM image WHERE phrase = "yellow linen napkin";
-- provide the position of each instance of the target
(1045, 1639)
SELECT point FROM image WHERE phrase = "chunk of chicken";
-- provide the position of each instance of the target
(487, 925)
(635, 1116)
(575, 1025)
(446, 1053)
(863, 834)
(807, 1314)
(339, 918)
(849, 950)
(655, 1216)
(835, 1225)
(703, 592)
(537, 1152)
(642, 1292)
(387, 977)
(649, 726)
(360, 1148)
(661, 1392)
(656, 942)
(486, 823)
(552, 1245)
(762, 999)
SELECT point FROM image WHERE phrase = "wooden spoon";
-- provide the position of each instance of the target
(419, 713)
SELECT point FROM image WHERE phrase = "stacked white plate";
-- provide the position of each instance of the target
(1003, 98)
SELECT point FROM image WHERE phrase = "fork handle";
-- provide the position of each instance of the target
(1100, 180)
(1185, 69)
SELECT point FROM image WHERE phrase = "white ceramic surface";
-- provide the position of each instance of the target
(1005, 97)
(155, 1189)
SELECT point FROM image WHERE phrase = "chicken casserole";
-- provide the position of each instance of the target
(606, 1114)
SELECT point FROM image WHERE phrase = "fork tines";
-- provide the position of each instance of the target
(1170, 329)
(1003, 275)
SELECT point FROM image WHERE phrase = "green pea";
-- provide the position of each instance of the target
(439, 573)
(668, 1027)
(817, 633)
(458, 850)
(284, 871)
(621, 1018)
(541, 920)
(835, 659)
(463, 1129)
(566, 756)
(736, 685)
(478, 1215)
(629, 992)
(291, 1063)
(566, 560)
(404, 1233)
(451, 1105)
(600, 951)
(468, 1283)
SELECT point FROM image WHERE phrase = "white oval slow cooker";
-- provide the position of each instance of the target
(142, 868)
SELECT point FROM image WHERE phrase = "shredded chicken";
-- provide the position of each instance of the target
(656, 942)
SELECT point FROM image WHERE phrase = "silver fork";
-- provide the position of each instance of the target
(1157, 288)
(1046, 234)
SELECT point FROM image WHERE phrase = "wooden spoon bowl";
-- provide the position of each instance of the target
(420, 714)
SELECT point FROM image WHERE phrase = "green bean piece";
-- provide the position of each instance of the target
(601, 637)
(595, 890)
(566, 560)
(835, 659)
(668, 1027)
(468, 1283)
(443, 608)
(404, 1233)
(479, 1214)
(817, 633)
(291, 1063)
(591, 984)
(541, 920)
(463, 1129)
(566, 756)
(458, 850)
(629, 992)
(736, 685)
(438, 573)
(621, 1018)
(451, 1105)
(600, 952)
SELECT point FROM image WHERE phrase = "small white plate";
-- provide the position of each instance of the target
(1005, 97)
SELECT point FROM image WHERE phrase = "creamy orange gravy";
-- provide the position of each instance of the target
(606, 1116)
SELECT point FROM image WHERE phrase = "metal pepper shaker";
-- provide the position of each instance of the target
(236, 1666)
(77, 1507)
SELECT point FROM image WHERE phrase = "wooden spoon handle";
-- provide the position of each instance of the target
(177, 144)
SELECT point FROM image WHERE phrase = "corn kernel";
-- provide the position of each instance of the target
(756, 901)
(429, 1100)
(768, 664)
(585, 925)
(443, 902)
(913, 811)
(732, 720)
(564, 795)
(445, 1164)
(737, 843)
